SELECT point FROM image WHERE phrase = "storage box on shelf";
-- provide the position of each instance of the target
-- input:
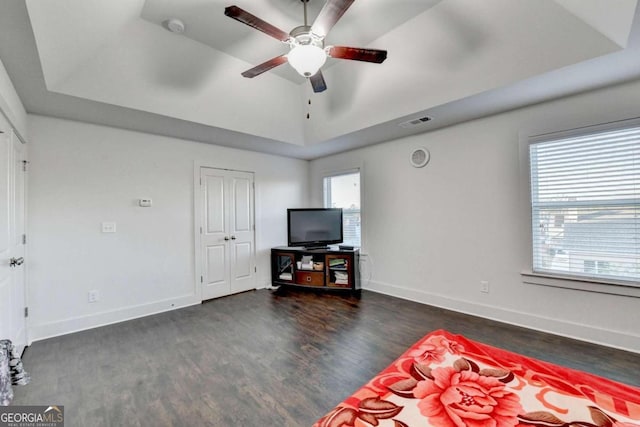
(317, 268)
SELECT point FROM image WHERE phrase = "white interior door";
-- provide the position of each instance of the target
(241, 244)
(17, 232)
(12, 214)
(226, 232)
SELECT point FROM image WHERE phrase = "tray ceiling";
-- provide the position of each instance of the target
(115, 63)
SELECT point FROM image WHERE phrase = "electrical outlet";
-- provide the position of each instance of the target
(94, 296)
(484, 286)
(108, 227)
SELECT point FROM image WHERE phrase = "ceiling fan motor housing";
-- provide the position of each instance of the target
(302, 35)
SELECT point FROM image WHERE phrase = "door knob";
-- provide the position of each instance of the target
(233, 237)
(16, 261)
(226, 237)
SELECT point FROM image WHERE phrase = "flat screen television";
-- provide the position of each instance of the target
(316, 227)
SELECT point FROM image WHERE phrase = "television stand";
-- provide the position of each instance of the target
(318, 268)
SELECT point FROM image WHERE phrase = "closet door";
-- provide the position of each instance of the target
(241, 240)
(227, 238)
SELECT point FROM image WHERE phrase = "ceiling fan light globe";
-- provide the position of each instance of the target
(307, 59)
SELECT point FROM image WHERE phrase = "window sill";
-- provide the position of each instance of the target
(581, 284)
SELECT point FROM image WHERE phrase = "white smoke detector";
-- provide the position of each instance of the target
(175, 25)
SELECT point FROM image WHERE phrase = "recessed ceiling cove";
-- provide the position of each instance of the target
(119, 53)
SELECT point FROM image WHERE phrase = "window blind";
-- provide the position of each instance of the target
(585, 200)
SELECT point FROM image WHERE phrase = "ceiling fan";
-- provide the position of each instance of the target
(307, 52)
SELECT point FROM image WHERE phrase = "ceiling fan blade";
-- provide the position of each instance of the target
(245, 17)
(357, 54)
(265, 66)
(317, 82)
(331, 12)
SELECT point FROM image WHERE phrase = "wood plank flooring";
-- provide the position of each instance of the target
(261, 358)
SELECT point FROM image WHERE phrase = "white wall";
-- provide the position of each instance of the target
(11, 105)
(81, 175)
(433, 234)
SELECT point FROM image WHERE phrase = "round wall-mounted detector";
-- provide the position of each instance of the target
(175, 26)
(419, 157)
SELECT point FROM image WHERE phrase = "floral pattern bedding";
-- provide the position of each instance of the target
(446, 380)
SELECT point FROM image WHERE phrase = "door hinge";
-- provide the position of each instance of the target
(24, 239)
(200, 230)
(255, 269)
(26, 312)
(24, 165)
(201, 279)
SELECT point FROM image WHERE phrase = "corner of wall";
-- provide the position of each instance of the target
(11, 105)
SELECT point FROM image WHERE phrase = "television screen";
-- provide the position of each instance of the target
(314, 227)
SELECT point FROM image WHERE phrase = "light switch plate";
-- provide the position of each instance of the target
(108, 227)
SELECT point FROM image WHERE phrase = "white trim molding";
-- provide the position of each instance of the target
(606, 337)
(580, 284)
(96, 320)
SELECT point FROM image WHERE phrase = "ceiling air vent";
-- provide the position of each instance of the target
(419, 157)
(415, 122)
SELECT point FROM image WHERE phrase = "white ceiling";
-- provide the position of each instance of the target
(361, 26)
(113, 62)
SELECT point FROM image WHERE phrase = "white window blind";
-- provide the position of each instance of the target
(343, 191)
(585, 199)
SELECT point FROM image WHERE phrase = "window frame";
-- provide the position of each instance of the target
(349, 171)
(546, 278)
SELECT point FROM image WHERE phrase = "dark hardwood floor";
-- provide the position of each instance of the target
(261, 359)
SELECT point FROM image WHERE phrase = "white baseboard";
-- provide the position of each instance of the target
(95, 320)
(606, 337)
(581, 332)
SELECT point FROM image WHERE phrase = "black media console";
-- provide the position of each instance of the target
(325, 268)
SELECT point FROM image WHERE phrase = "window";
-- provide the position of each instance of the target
(343, 191)
(585, 204)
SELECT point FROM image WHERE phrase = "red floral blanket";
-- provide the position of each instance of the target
(446, 380)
